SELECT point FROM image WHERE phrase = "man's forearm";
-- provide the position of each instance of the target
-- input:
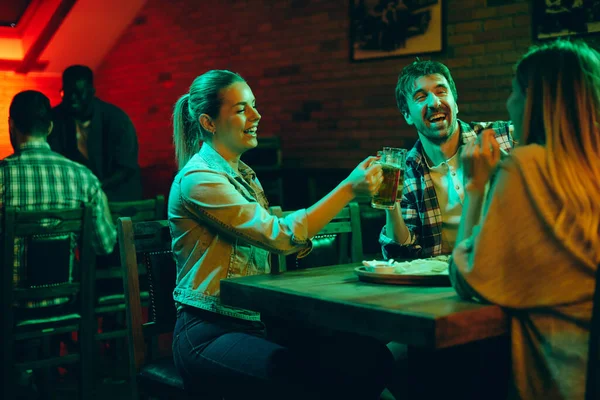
(395, 227)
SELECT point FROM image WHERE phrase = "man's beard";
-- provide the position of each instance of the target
(84, 114)
(450, 132)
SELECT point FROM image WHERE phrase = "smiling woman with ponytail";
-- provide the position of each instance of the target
(203, 98)
(221, 227)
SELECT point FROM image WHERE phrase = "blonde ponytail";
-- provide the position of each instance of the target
(186, 136)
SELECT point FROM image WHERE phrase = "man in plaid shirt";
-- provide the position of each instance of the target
(35, 178)
(427, 220)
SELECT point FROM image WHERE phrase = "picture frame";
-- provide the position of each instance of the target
(395, 28)
(559, 18)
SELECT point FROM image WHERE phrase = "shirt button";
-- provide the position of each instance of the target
(454, 173)
(457, 187)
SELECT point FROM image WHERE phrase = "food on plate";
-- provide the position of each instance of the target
(382, 267)
(426, 266)
(422, 266)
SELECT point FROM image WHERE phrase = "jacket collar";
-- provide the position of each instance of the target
(215, 160)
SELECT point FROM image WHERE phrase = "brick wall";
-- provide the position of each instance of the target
(327, 111)
(11, 84)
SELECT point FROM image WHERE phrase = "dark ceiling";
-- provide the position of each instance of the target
(11, 11)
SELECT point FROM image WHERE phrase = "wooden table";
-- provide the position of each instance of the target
(333, 297)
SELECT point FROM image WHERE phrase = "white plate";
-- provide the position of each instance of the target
(400, 279)
(427, 272)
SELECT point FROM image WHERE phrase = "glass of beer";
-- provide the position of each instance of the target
(392, 166)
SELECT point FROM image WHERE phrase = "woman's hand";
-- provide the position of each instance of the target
(480, 158)
(366, 177)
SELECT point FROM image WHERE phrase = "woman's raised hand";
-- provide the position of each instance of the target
(479, 159)
(366, 178)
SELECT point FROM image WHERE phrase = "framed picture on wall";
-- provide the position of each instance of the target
(395, 28)
(556, 18)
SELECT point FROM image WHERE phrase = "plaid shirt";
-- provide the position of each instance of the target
(36, 179)
(421, 210)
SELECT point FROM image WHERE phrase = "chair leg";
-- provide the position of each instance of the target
(87, 359)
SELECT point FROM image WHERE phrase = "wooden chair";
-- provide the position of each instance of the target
(371, 222)
(148, 245)
(51, 238)
(266, 161)
(339, 242)
(141, 210)
(110, 299)
(592, 389)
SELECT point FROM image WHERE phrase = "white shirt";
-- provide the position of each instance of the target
(448, 183)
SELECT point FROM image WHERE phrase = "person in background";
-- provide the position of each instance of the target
(426, 221)
(34, 178)
(221, 228)
(536, 246)
(98, 135)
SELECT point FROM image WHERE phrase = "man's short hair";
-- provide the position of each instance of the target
(414, 71)
(77, 73)
(31, 113)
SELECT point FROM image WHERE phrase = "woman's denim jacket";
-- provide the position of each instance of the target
(221, 228)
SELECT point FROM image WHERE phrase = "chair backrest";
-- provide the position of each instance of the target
(140, 210)
(147, 245)
(50, 240)
(265, 156)
(592, 389)
(339, 242)
(371, 221)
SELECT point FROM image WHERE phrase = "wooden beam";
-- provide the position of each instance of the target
(13, 65)
(30, 61)
(6, 32)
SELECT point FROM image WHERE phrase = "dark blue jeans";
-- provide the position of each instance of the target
(234, 359)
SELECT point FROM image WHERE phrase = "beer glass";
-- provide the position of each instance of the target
(392, 166)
